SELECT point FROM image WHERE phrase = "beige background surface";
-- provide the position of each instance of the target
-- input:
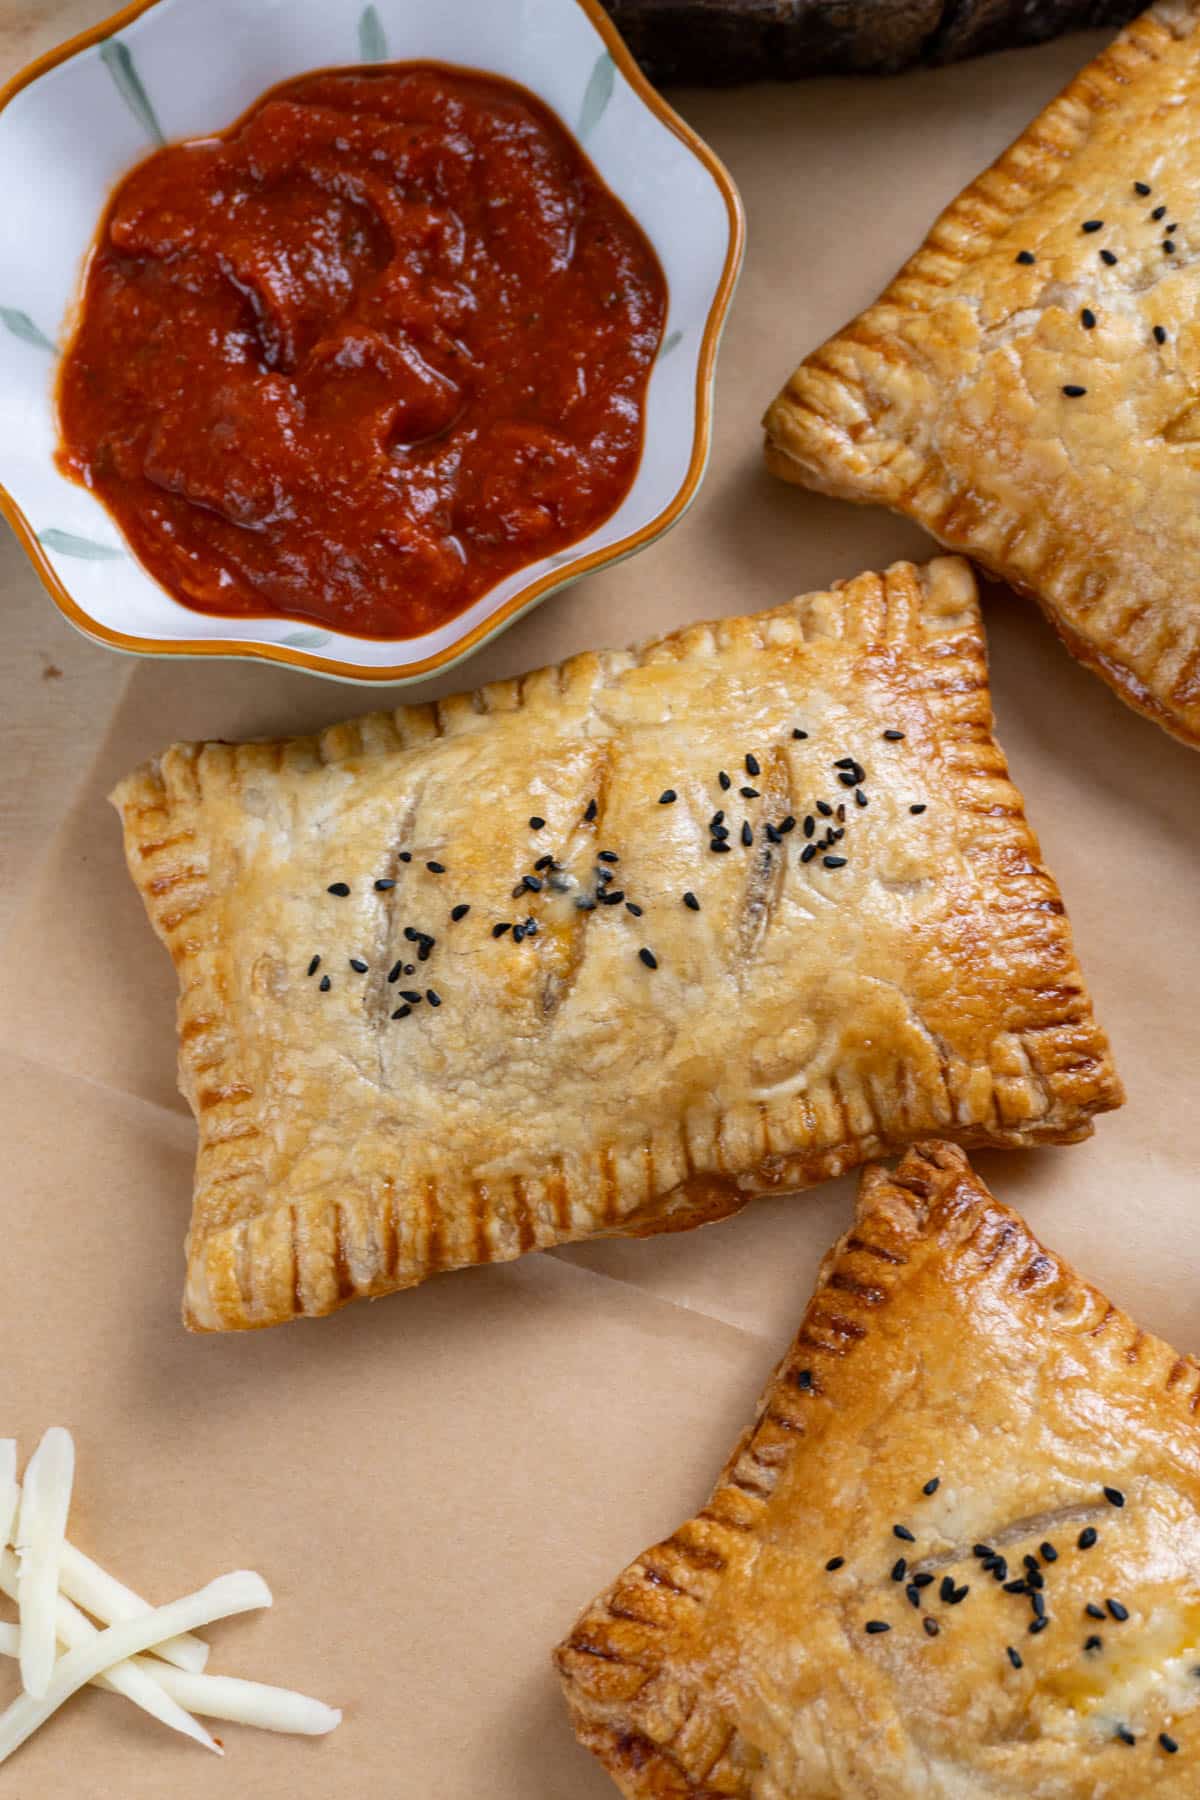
(436, 1484)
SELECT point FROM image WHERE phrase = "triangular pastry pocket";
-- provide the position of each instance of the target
(955, 1557)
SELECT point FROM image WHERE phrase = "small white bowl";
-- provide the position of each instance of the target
(72, 124)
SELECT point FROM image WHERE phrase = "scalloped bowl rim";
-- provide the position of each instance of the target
(568, 565)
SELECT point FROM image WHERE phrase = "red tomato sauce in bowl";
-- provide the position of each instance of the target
(355, 360)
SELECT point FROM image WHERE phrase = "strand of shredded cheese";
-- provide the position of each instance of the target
(128, 1678)
(222, 1696)
(41, 1527)
(110, 1601)
(240, 1592)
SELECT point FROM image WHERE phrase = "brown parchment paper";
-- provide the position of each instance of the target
(433, 1485)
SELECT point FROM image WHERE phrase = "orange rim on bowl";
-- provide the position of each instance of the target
(526, 597)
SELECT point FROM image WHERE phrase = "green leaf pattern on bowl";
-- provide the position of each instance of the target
(120, 64)
(372, 40)
(67, 543)
(23, 327)
(305, 640)
(597, 94)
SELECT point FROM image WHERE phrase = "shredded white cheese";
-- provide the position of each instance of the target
(41, 1527)
(110, 1600)
(229, 1594)
(127, 1678)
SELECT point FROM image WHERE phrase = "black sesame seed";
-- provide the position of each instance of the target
(667, 797)
(724, 780)
(1093, 1611)
(917, 809)
(1114, 1496)
(1073, 391)
(1160, 212)
(382, 887)
(874, 1626)
(1160, 335)
(1126, 1736)
(412, 995)
(1039, 1624)
(749, 793)
(834, 862)
(592, 810)
(433, 997)
(1107, 257)
(1087, 1537)
(1087, 319)
(835, 1562)
(691, 902)
(899, 1569)
(314, 965)
(1142, 187)
(923, 1580)
(1014, 1657)
(798, 734)
(931, 1625)
(404, 856)
(747, 834)
(1026, 256)
(1093, 1643)
(358, 965)
(912, 1594)
(460, 911)
(648, 957)
(1168, 1743)
(786, 825)
(808, 852)
(1118, 1612)
(340, 888)
(1093, 225)
(752, 766)
(608, 856)
(1168, 247)
(1049, 1553)
(436, 868)
(500, 929)
(325, 984)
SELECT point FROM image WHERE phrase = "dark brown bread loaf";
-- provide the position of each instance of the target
(721, 41)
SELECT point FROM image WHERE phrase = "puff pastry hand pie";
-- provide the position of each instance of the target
(956, 1556)
(611, 948)
(1028, 387)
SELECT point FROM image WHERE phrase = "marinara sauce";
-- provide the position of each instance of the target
(366, 353)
